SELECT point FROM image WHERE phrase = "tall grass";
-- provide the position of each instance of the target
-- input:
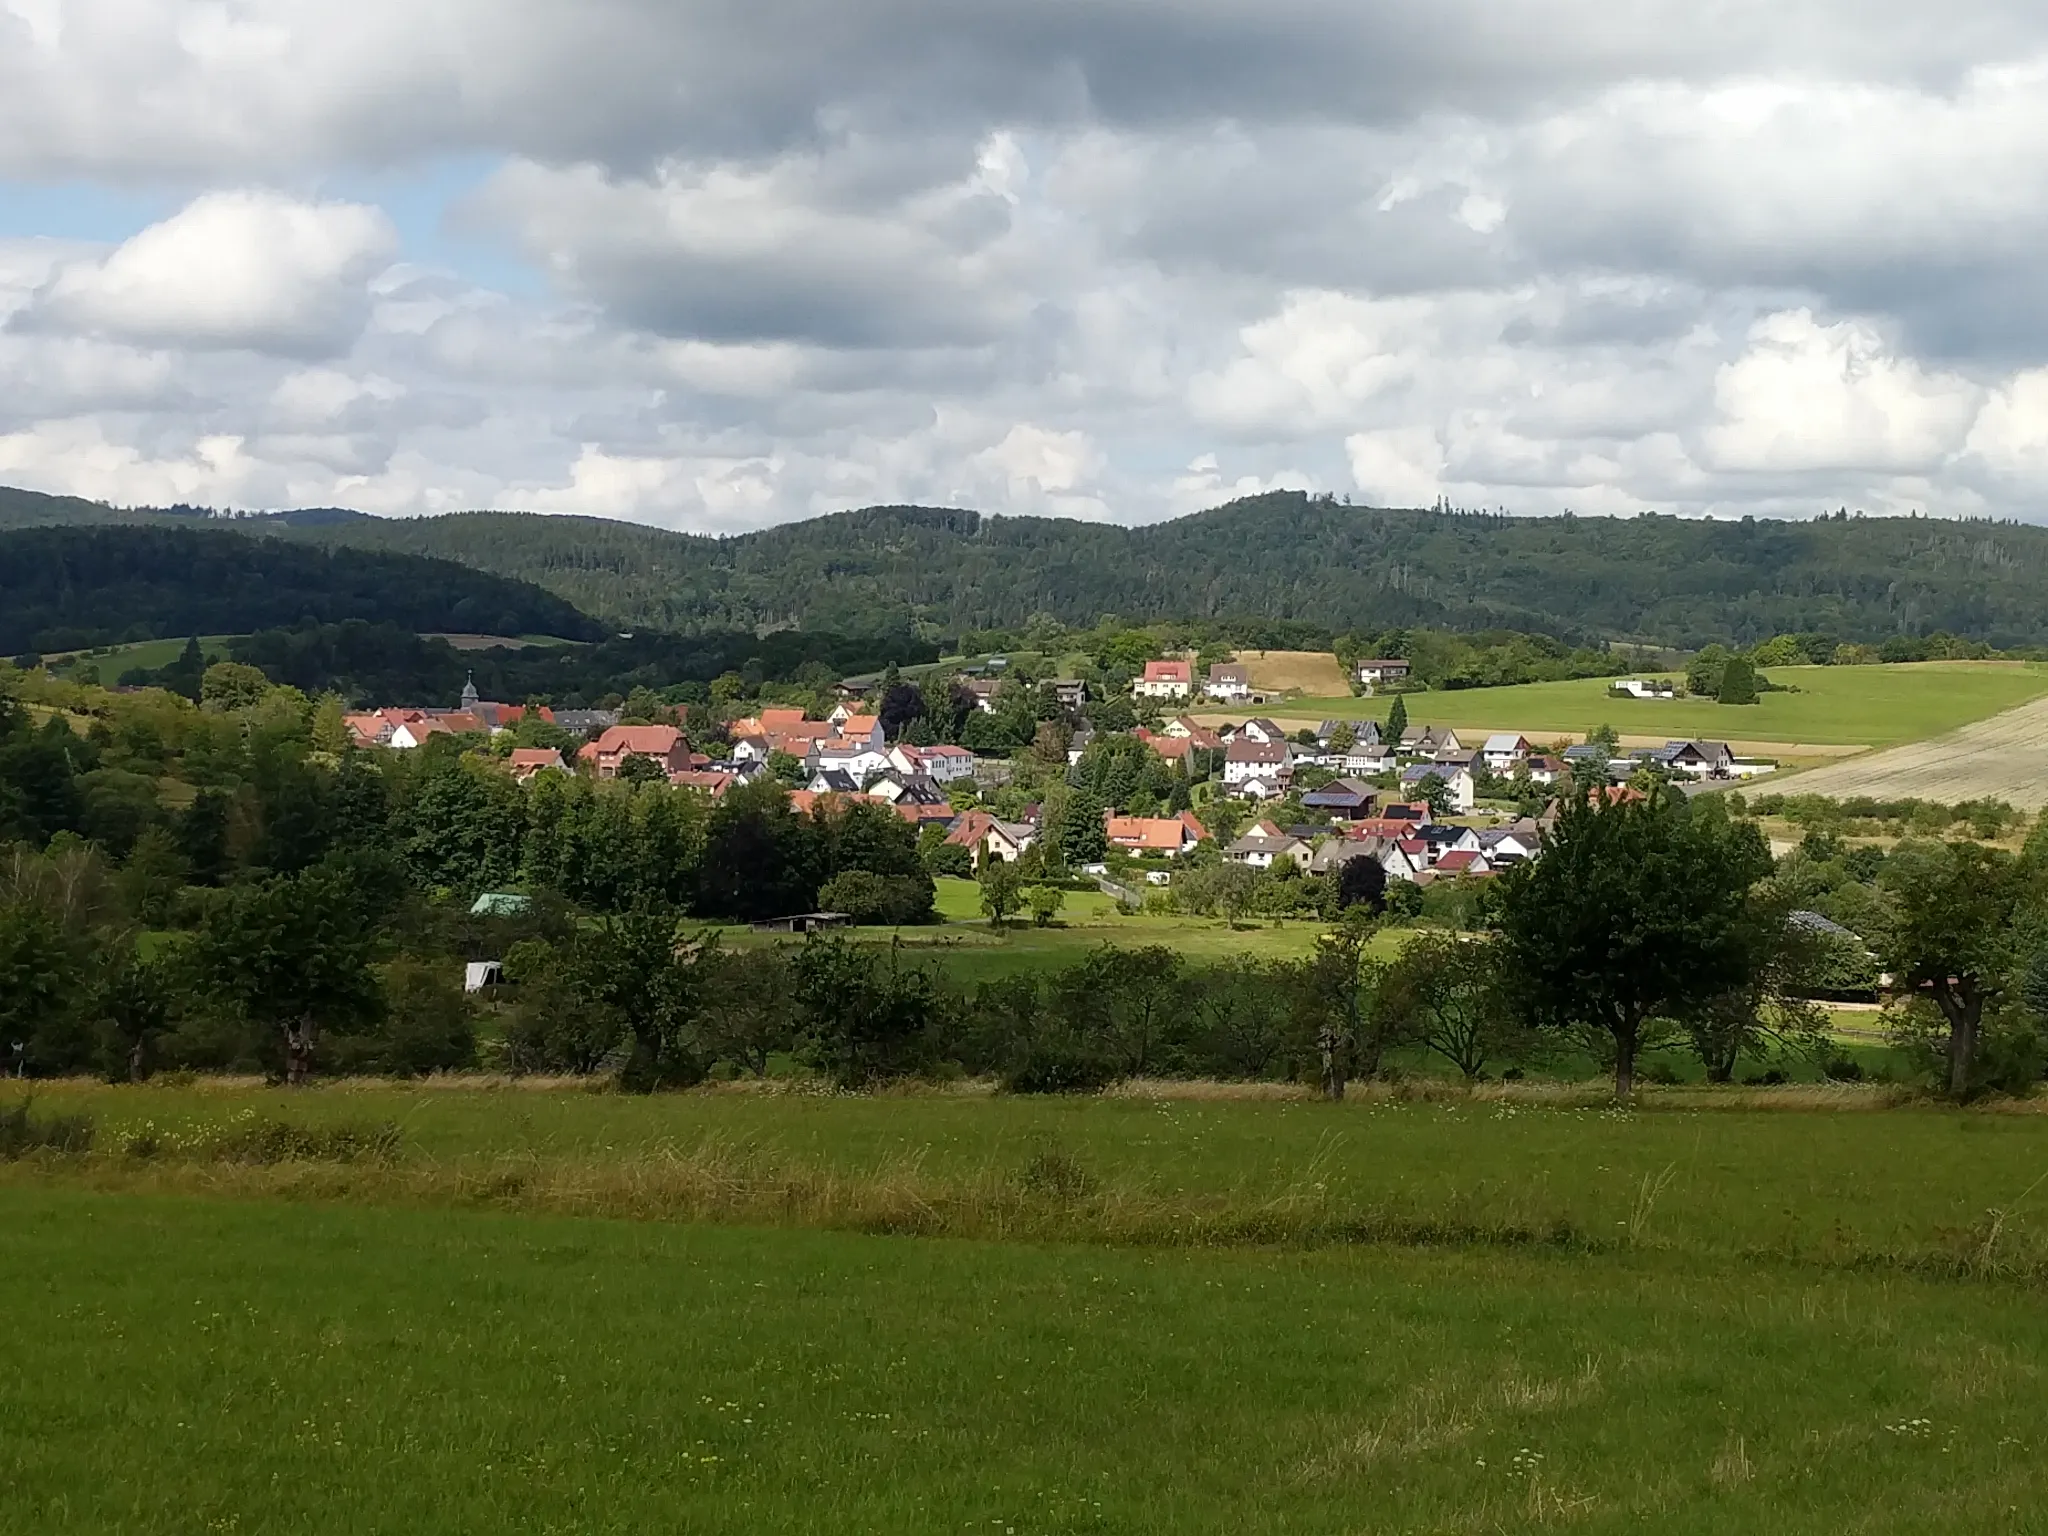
(22, 1132)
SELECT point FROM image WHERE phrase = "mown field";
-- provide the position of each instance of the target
(558, 1311)
(2000, 758)
(1833, 706)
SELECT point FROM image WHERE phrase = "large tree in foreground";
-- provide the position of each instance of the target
(1954, 939)
(1638, 909)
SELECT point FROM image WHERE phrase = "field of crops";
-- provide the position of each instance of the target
(2003, 758)
(558, 1311)
(1832, 706)
(1313, 672)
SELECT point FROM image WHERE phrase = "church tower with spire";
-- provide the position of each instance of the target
(470, 697)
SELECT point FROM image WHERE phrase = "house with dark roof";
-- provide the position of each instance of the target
(1229, 682)
(1455, 777)
(1247, 758)
(1342, 800)
(1377, 671)
(1265, 845)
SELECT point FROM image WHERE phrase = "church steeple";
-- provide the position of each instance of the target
(470, 697)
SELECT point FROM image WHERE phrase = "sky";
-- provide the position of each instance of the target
(715, 264)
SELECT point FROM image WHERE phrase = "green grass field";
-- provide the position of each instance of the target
(143, 653)
(968, 950)
(1834, 706)
(1673, 1319)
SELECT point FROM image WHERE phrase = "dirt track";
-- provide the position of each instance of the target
(2002, 758)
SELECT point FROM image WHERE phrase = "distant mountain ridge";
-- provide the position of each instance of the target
(1283, 556)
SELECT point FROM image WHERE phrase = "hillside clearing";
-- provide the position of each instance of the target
(2003, 758)
(1309, 672)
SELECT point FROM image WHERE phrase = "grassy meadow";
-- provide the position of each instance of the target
(965, 948)
(116, 659)
(1832, 706)
(555, 1310)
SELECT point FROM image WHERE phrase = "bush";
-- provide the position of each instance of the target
(944, 858)
(1058, 1061)
(884, 900)
(550, 1030)
(1842, 1069)
(429, 1025)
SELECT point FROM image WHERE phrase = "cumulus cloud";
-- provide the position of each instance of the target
(1806, 396)
(1117, 258)
(251, 271)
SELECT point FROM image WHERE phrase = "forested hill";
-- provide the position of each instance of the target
(1281, 556)
(1285, 556)
(66, 588)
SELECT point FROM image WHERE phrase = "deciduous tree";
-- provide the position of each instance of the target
(1636, 910)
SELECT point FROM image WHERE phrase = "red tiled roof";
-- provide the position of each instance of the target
(1168, 672)
(713, 784)
(1167, 832)
(652, 740)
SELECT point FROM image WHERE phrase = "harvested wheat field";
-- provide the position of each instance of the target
(2002, 758)
(1309, 672)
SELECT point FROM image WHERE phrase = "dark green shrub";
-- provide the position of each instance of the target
(879, 900)
(1842, 1069)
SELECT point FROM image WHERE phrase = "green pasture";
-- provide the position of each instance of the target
(116, 659)
(1720, 1320)
(968, 949)
(1798, 1181)
(1833, 706)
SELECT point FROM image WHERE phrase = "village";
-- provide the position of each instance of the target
(1422, 803)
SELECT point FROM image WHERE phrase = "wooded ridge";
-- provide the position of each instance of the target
(66, 588)
(1283, 556)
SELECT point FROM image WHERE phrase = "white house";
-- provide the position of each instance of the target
(1165, 680)
(1229, 683)
(1455, 776)
(1248, 758)
(1430, 741)
(1367, 761)
(858, 760)
(1269, 786)
(1645, 688)
(1698, 759)
(1265, 844)
(1377, 670)
(1503, 752)
(942, 763)
(1263, 730)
